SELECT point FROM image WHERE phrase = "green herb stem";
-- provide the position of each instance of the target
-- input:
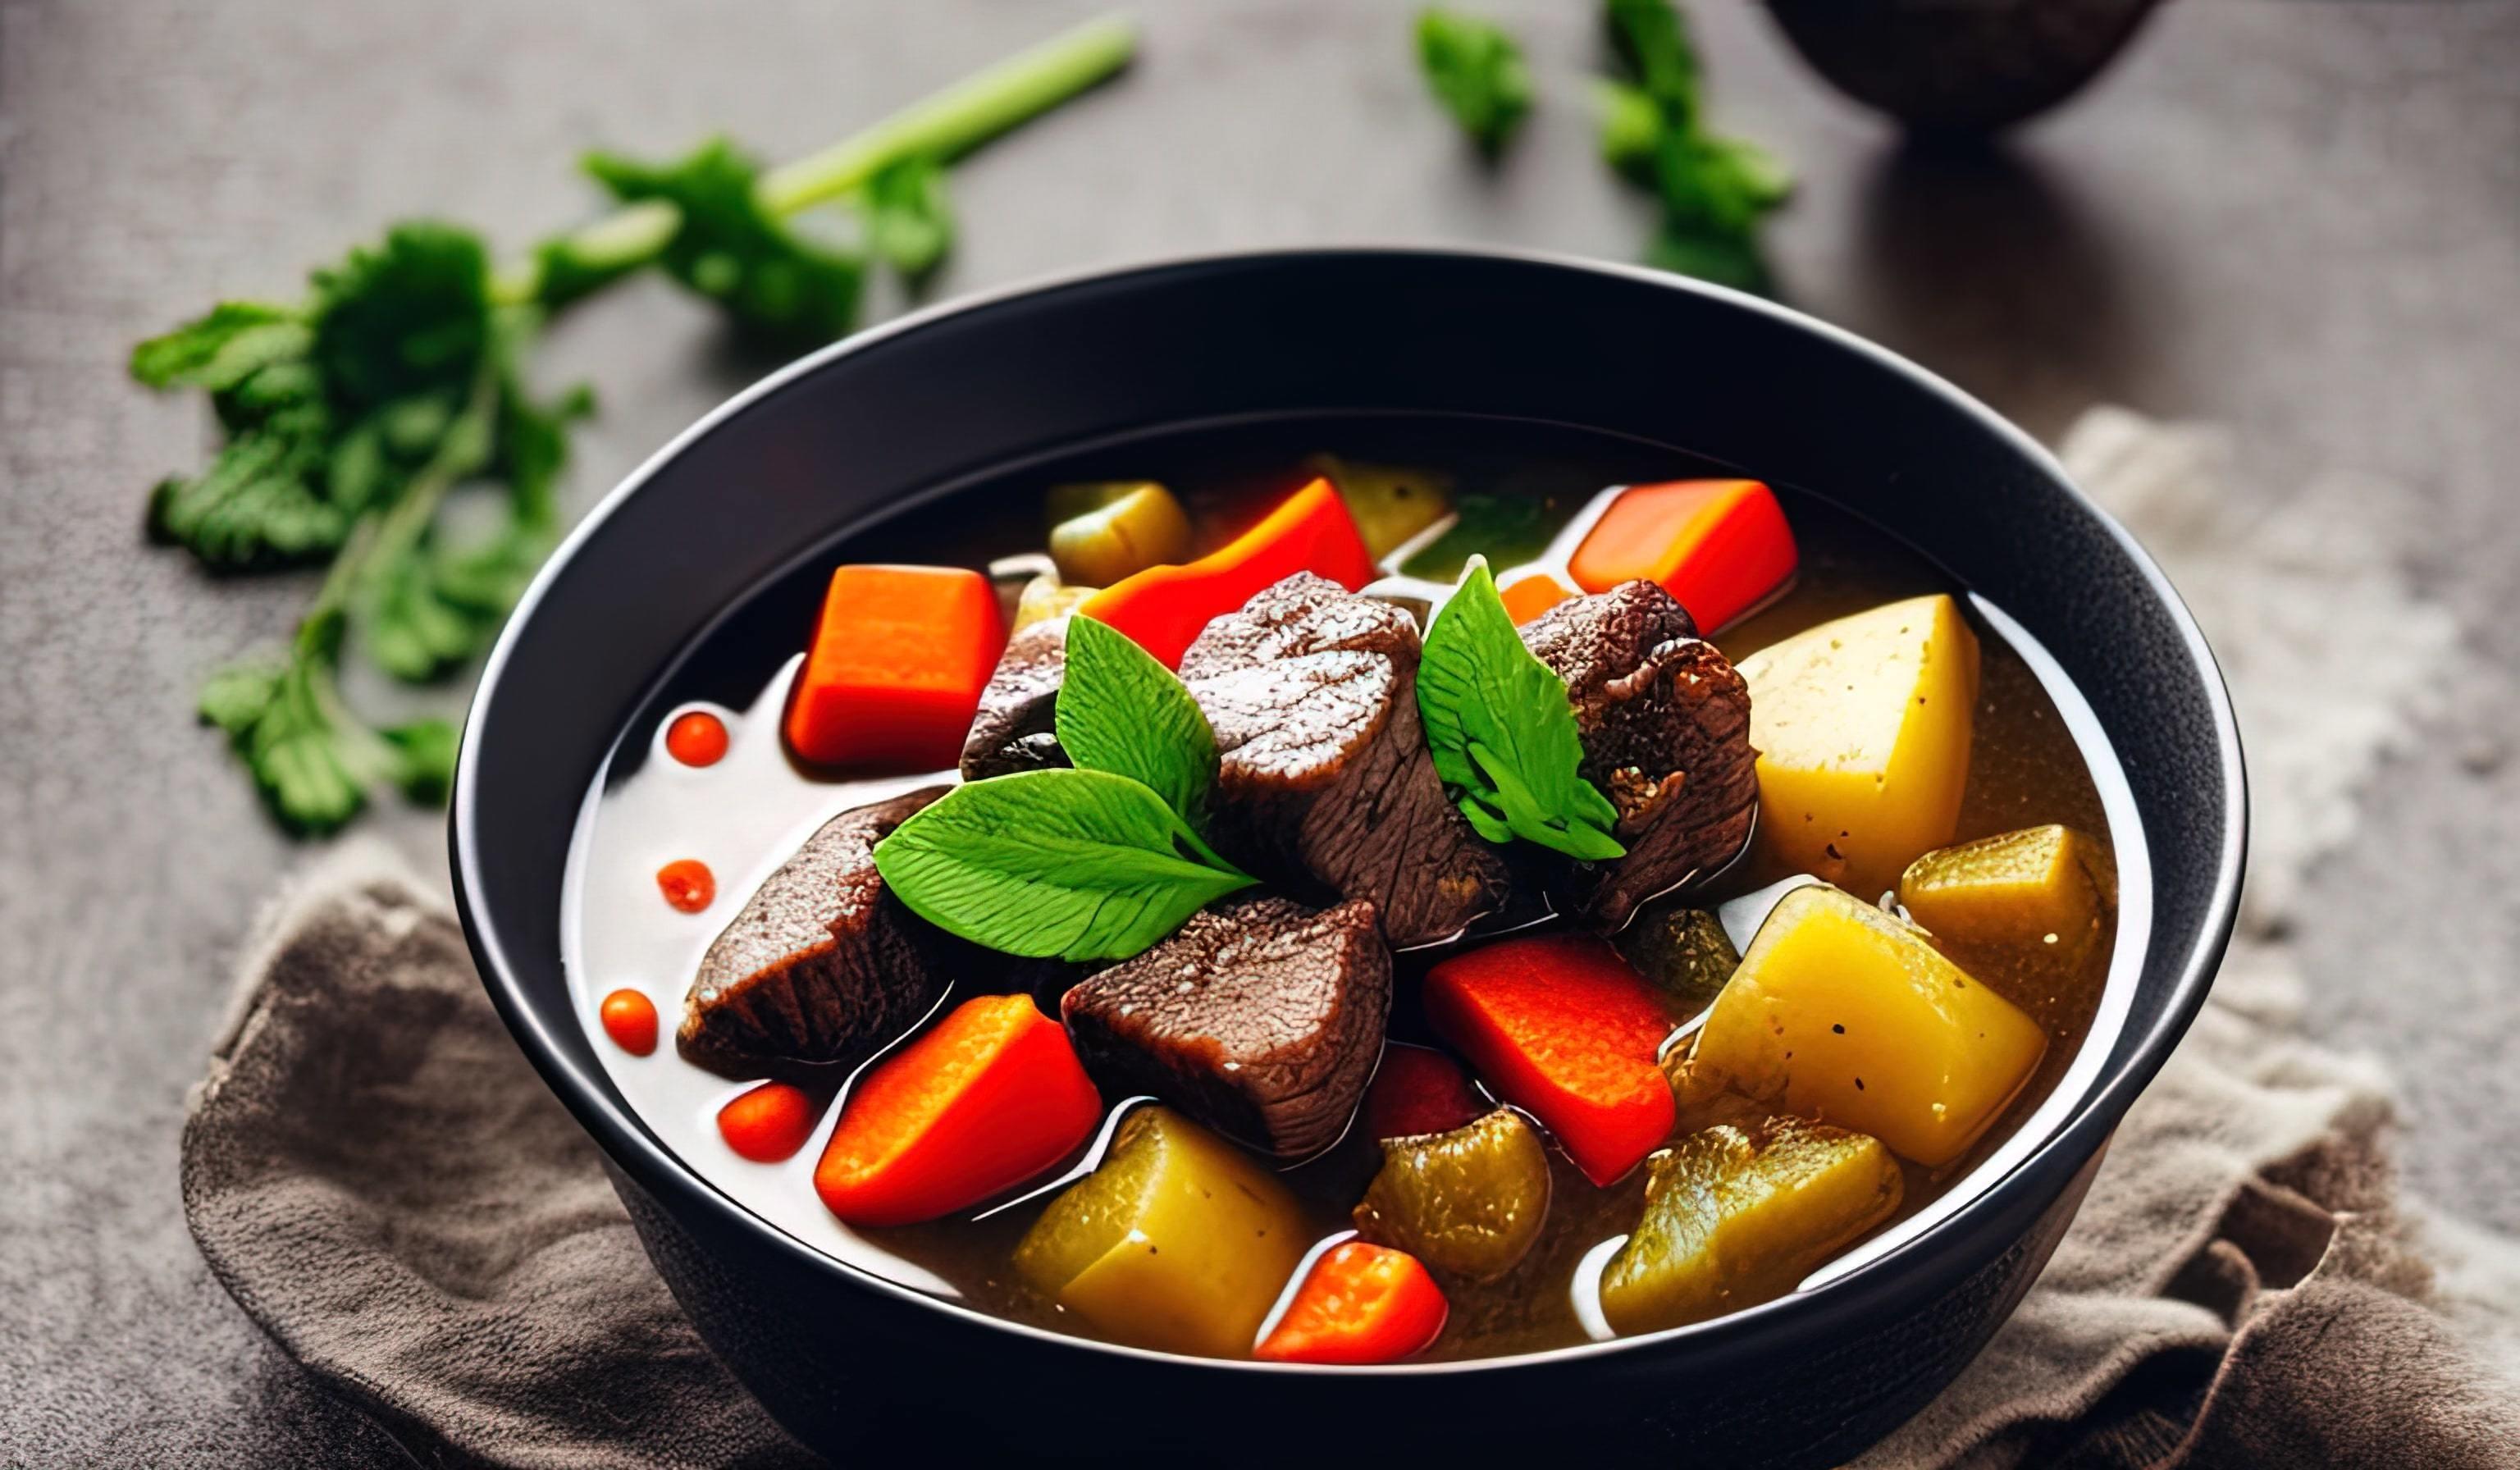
(941, 127)
(950, 123)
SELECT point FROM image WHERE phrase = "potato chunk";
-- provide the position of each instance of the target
(1179, 1241)
(1733, 1218)
(1843, 1014)
(2044, 886)
(1469, 1202)
(1863, 727)
(1140, 527)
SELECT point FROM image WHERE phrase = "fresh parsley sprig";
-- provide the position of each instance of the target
(1098, 861)
(348, 420)
(1714, 191)
(1478, 73)
(1502, 732)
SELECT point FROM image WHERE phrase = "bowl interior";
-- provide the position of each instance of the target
(912, 412)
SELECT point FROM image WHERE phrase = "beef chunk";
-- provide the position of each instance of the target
(1324, 786)
(1666, 727)
(1260, 1019)
(822, 965)
(1013, 729)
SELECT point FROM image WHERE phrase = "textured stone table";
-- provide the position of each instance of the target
(2300, 218)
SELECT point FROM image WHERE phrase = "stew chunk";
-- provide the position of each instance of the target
(1843, 1013)
(1666, 729)
(1469, 1202)
(1734, 1217)
(822, 965)
(1179, 1241)
(1261, 1019)
(1863, 727)
(1325, 782)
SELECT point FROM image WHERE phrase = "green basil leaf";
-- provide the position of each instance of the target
(1501, 731)
(1079, 863)
(1119, 710)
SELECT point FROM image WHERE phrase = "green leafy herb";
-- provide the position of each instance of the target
(1119, 710)
(772, 281)
(1079, 863)
(347, 421)
(1714, 190)
(910, 223)
(1502, 734)
(1476, 71)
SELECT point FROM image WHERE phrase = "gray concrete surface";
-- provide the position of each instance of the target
(2301, 218)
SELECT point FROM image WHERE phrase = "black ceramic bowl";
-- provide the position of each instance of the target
(941, 399)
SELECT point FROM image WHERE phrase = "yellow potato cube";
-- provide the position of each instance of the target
(2048, 887)
(1736, 1217)
(1843, 1014)
(1863, 727)
(1179, 1241)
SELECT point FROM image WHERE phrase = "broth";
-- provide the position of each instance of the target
(745, 813)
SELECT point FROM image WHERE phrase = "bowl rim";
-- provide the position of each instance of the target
(633, 1149)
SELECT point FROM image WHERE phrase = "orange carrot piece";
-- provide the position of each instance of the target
(630, 1020)
(1358, 1304)
(688, 884)
(1165, 607)
(1528, 597)
(1561, 1027)
(1718, 546)
(987, 1100)
(697, 738)
(895, 673)
(1417, 1090)
(767, 1123)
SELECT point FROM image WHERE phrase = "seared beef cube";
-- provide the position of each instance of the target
(1014, 730)
(1261, 1019)
(1666, 729)
(1324, 785)
(822, 965)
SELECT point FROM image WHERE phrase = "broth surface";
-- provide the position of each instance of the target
(745, 814)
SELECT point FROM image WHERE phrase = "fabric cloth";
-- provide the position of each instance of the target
(378, 1178)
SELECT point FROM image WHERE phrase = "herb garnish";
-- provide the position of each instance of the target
(1714, 190)
(1120, 710)
(1476, 71)
(348, 420)
(1502, 732)
(1094, 863)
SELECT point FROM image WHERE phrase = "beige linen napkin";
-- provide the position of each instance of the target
(381, 1182)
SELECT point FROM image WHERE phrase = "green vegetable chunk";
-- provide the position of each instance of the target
(1509, 530)
(1733, 1218)
(1469, 1202)
(1476, 71)
(1502, 734)
(1683, 951)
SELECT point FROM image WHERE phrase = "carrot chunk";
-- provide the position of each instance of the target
(1358, 1304)
(1718, 546)
(630, 1020)
(1561, 1027)
(1416, 1091)
(1528, 597)
(895, 673)
(1165, 607)
(988, 1098)
(767, 1123)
